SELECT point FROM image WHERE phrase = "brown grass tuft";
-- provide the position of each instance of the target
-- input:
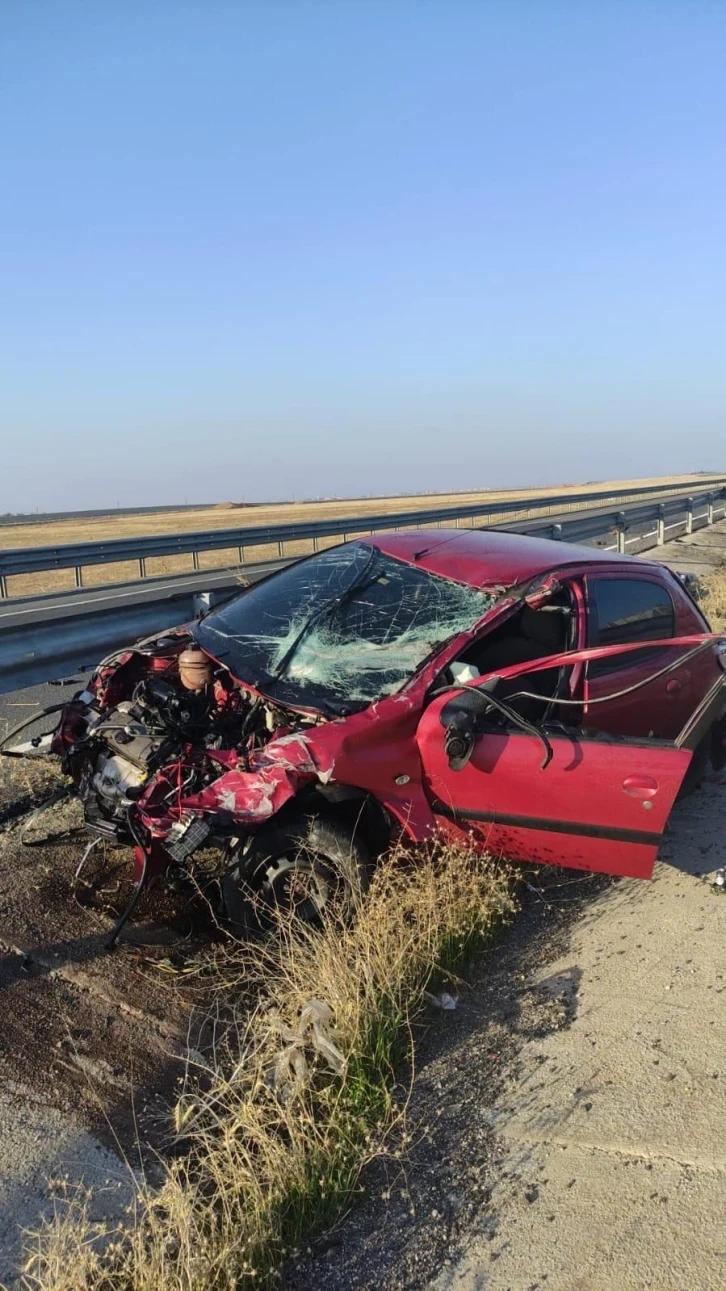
(302, 1091)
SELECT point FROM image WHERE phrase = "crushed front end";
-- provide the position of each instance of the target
(299, 688)
(170, 754)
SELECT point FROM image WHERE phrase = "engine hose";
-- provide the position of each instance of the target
(21, 726)
(132, 826)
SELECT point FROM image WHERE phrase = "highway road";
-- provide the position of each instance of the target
(18, 611)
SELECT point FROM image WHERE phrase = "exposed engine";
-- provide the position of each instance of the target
(131, 740)
(155, 728)
(172, 755)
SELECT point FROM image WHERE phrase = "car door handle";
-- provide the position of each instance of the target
(674, 687)
(640, 786)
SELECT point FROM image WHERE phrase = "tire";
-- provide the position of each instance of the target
(309, 866)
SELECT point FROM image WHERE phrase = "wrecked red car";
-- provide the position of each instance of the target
(541, 701)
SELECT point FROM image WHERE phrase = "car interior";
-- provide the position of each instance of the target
(528, 635)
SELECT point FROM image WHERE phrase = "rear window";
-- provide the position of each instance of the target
(622, 611)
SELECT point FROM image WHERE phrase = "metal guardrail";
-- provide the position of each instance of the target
(43, 638)
(76, 556)
(623, 531)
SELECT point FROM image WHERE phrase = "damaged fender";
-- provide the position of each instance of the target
(275, 775)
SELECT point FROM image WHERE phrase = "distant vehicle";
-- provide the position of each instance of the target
(532, 699)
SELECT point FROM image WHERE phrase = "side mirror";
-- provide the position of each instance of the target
(458, 746)
(462, 720)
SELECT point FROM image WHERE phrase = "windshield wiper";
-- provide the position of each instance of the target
(330, 607)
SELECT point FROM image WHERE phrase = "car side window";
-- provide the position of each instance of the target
(622, 611)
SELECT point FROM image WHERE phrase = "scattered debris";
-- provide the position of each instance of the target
(441, 1001)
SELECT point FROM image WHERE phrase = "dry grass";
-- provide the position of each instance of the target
(229, 516)
(28, 780)
(279, 1127)
(713, 598)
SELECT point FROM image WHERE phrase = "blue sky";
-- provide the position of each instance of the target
(279, 249)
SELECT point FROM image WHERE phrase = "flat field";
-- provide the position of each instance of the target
(228, 515)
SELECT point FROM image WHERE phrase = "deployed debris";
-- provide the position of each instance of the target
(441, 1001)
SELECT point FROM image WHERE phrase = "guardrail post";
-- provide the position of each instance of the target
(142, 566)
(689, 515)
(79, 575)
(195, 560)
(709, 513)
(241, 555)
(660, 527)
(3, 587)
(620, 530)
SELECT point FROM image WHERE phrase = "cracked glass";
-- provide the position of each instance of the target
(340, 629)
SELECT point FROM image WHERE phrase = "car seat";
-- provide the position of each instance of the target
(534, 635)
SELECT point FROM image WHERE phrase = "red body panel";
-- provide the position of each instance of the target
(380, 751)
(662, 707)
(488, 558)
(597, 806)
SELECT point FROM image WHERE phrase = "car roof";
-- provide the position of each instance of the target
(490, 557)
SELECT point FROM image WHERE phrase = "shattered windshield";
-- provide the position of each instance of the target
(347, 626)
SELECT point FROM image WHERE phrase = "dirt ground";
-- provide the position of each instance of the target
(91, 1044)
(568, 1118)
(236, 515)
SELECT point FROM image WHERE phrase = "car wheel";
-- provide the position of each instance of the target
(308, 867)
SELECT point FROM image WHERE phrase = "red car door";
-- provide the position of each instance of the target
(624, 608)
(598, 805)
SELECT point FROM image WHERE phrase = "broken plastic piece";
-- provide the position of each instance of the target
(463, 672)
(188, 840)
(37, 747)
(441, 1001)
